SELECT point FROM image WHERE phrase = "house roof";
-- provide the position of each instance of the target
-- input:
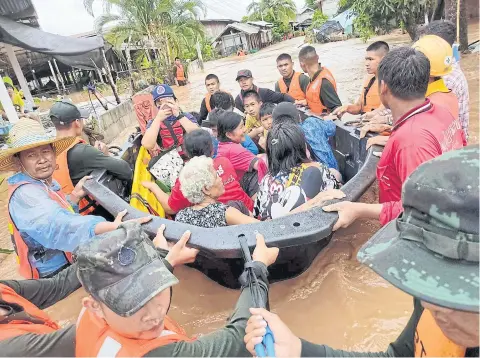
(239, 26)
(216, 20)
(260, 23)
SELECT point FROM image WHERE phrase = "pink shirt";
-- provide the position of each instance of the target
(241, 159)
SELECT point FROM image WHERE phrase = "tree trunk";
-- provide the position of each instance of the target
(412, 27)
(438, 11)
(451, 15)
(109, 76)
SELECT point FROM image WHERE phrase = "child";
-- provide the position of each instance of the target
(252, 104)
(266, 112)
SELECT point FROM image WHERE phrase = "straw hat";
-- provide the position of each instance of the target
(27, 134)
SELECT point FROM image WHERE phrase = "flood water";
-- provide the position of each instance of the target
(336, 301)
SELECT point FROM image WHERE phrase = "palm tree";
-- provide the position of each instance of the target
(165, 26)
(276, 11)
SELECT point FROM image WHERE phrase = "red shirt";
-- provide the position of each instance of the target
(423, 133)
(233, 190)
(241, 158)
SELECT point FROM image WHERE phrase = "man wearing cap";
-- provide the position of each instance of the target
(421, 131)
(245, 80)
(431, 252)
(28, 331)
(42, 220)
(80, 159)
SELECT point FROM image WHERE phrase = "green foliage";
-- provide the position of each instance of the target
(384, 15)
(318, 19)
(344, 5)
(277, 12)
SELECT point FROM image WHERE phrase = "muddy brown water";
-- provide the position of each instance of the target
(336, 301)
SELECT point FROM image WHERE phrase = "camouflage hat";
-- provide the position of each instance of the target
(122, 269)
(432, 250)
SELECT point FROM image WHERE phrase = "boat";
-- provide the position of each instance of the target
(300, 237)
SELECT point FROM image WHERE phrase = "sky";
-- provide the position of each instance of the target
(68, 17)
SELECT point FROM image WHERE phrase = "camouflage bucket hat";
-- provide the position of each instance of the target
(122, 269)
(432, 250)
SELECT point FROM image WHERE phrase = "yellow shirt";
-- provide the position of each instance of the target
(251, 123)
(17, 101)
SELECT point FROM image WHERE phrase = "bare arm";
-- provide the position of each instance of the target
(150, 137)
(161, 197)
(235, 217)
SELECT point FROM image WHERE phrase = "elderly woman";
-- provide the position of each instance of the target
(43, 221)
(202, 186)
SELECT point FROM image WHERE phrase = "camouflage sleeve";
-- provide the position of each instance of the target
(225, 342)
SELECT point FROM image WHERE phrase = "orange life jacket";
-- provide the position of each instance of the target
(21, 248)
(208, 96)
(94, 338)
(294, 90)
(431, 342)
(62, 176)
(180, 73)
(40, 323)
(370, 97)
(313, 91)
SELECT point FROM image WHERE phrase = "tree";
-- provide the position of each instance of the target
(314, 4)
(278, 12)
(163, 28)
(374, 15)
(451, 7)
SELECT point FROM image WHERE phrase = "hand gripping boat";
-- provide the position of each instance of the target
(300, 237)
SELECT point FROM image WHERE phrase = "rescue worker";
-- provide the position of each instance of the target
(321, 94)
(42, 220)
(245, 81)
(129, 316)
(27, 331)
(212, 83)
(80, 159)
(421, 131)
(293, 83)
(23, 324)
(369, 99)
(430, 252)
(179, 73)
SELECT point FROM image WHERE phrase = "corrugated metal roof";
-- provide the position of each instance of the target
(239, 26)
(260, 23)
(17, 9)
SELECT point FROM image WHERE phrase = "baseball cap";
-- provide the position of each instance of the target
(162, 91)
(432, 250)
(286, 109)
(122, 269)
(65, 112)
(244, 73)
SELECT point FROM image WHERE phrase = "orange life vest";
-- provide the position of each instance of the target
(180, 73)
(62, 176)
(294, 90)
(313, 91)
(431, 342)
(21, 248)
(370, 97)
(40, 323)
(94, 338)
(208, 96)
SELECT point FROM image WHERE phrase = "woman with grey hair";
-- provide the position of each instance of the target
(202, 186)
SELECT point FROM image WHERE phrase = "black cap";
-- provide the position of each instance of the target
(286, 109)
(244, 73)
(122, 269)
(65, 112)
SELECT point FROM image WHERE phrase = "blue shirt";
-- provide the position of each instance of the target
(317, 132)
(248, 144)
(43, 223)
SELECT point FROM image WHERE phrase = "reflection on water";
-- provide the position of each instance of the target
(337, 301)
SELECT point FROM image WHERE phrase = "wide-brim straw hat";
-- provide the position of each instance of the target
(28, 134)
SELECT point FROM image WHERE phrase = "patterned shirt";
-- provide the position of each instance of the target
(210, 216)
(457, 83)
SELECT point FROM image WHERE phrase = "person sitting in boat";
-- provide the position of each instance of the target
(129, 317)
(167, 130)
(317, 132)
(212, 84)
(292, 177)
(202, 186)
(224, 101)
(430, 253)
(266, 112)
(369, 99)
(199, 143)
(253, 124)
(44, 223)
(245, 81)
(80, 159)
(231, 132)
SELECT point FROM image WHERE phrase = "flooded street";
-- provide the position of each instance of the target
(336, 301)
